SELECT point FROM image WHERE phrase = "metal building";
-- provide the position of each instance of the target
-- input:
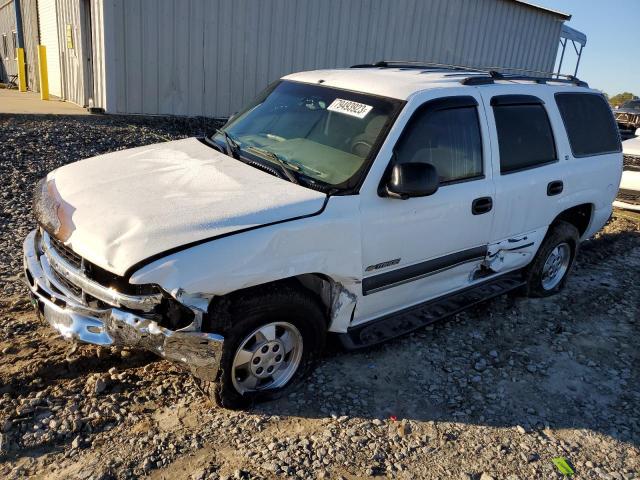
(209, 57)
(8, 41)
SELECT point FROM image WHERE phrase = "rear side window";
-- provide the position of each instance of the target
(525, 137)
(447, 138)
(589, 123)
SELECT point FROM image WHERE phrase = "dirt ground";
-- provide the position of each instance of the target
(497, 392)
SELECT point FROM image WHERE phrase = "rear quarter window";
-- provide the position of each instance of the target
(589, 122)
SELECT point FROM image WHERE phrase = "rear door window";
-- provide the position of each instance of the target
(589, 122)
(525, 137)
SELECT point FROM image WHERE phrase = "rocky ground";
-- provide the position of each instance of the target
(496, 392)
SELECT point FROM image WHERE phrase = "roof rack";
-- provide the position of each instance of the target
(483, 75)
(494, 75)
(416, 65)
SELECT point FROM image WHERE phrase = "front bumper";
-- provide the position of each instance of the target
(199, 351)
(627, 206)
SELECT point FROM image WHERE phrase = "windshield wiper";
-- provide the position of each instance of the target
(233, 147)
(285, 167)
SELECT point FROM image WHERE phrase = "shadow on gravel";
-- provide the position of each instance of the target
(567, 361)
(57, 368)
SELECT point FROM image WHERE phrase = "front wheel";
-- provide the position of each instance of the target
(274, 339)
(548, 272)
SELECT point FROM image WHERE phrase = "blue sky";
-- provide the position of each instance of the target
(611, 58)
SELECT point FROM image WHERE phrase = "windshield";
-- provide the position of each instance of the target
(323, 133)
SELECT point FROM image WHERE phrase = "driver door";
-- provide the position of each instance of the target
(417, 249)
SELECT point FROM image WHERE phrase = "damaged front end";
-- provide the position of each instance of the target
(85, 303)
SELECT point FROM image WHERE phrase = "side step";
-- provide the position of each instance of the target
(400, 323)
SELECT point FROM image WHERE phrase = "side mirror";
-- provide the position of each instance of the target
(637, 132)
(412, 180)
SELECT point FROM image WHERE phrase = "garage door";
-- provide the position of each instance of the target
(48, 21)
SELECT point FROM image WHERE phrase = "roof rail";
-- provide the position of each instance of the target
(491, 74)
(494, 75)
(415, 65)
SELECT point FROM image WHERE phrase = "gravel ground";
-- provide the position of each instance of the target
(496, 392)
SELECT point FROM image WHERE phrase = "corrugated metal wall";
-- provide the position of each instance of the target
(8, 65)
(48, 22)
(209, 57)
(99, 94)
(77, 82)
(30, 29)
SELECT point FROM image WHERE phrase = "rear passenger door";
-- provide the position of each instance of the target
(529, 177)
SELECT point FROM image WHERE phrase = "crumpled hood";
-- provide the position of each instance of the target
(124, 207)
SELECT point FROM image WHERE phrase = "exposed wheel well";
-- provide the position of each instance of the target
(579, 216)
(321, 287)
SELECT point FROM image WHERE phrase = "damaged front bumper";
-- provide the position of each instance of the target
(199, 351)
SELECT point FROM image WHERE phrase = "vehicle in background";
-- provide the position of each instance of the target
(629, 193)
(628, 117)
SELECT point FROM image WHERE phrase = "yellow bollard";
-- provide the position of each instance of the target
(22, 77)
(44, 77)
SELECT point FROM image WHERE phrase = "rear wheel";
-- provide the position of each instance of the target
(274, 339)
(548, 272)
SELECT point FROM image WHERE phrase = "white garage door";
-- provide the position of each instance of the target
(49, 38)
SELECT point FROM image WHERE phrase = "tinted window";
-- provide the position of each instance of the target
(524, 136)
(447, 139)
(589, 123)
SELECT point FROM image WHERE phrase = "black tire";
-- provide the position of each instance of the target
(257, 307)
(560, 232)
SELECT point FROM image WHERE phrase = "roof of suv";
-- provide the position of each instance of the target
(398, 83)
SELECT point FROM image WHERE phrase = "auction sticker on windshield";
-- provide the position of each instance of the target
(348, 107)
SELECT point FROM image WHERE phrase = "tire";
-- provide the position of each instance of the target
(292, 310)
(539, 283)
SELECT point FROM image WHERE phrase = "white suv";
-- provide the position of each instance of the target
(629, 193)
(365, 202)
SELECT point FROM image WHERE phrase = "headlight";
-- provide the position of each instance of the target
(51, 212)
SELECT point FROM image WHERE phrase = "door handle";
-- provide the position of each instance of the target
(555, 188)
(481, 205)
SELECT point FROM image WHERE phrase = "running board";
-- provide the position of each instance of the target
(406, 321)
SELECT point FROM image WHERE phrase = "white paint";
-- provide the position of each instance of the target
(632, 146)
(630, 180)
(48, 18)
(328, 244)
(424, 228)
(386, 82)
(132, 204)
(516, 252)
